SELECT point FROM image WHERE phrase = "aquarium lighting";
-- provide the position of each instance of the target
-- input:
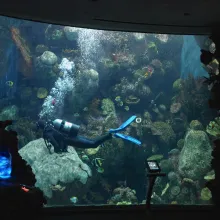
(5, 165)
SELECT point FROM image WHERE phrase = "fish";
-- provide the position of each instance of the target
(100, 170)
(25, 189)
(115, 57)
(117, 98)
(126, 108)
(9, 83)
(97, 162)
(53, 102)
(122, 184)
(74, 199)
(58, 188)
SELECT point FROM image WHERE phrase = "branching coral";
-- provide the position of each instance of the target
(123, 195)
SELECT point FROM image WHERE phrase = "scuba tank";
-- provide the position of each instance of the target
(65, 127)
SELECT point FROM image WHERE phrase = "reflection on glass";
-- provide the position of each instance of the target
(69, 89)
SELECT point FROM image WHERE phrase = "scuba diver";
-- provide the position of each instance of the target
(60, 134)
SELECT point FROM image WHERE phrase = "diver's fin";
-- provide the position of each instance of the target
(124, 125)
(128, 138)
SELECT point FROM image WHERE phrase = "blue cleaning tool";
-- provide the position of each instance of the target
(122, 127)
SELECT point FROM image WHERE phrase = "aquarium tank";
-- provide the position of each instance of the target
(91, 107)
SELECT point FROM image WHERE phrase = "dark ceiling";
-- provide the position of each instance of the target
(163, 16)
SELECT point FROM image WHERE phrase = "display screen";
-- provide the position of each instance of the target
(153, 166)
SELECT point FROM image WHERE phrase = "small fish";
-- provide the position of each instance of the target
(9, 83)
(85, 158)
(100, 170)
(126, 108)
(53, 102)
(76, 115)
(117, 98)
(122, 184)
(102, 145)
(115, 57)
(25, 189)
(97, 162)
(86, 109)
(58, 187)
(74, 199)
(150, 69)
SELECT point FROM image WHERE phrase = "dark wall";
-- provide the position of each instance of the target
(166, 213)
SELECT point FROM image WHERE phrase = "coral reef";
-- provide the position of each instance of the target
(122, 196)
(167, 134)
(46, 168)
(213, 128)
(195, 156)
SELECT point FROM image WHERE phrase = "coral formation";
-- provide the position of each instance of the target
(195, 157)
(213, 128)
(167, 134)
(46, 166)
(122, 196)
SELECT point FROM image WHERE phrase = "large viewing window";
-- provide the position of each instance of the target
(68, 89)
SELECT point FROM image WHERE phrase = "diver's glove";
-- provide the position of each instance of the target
(122, 127)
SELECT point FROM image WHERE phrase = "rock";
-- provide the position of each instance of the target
(165, 131)
(53, 169)
(195, 157)
(48, 58)
(71, 33)
(41, 48)
(196, 125)
(90, 78)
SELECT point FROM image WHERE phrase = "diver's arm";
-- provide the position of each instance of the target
(82, 142)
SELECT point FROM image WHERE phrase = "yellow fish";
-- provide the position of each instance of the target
(9, 83)
(97, 162)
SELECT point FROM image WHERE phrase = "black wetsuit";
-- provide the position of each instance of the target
(61, 141)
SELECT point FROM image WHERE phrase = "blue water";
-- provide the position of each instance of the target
(190, 58)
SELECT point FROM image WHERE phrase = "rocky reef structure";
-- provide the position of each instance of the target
(9, 113)
(86, 85)
(50, 170)
(123, 196)
(195, 157)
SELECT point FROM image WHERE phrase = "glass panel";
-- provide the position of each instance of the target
(69, 87)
